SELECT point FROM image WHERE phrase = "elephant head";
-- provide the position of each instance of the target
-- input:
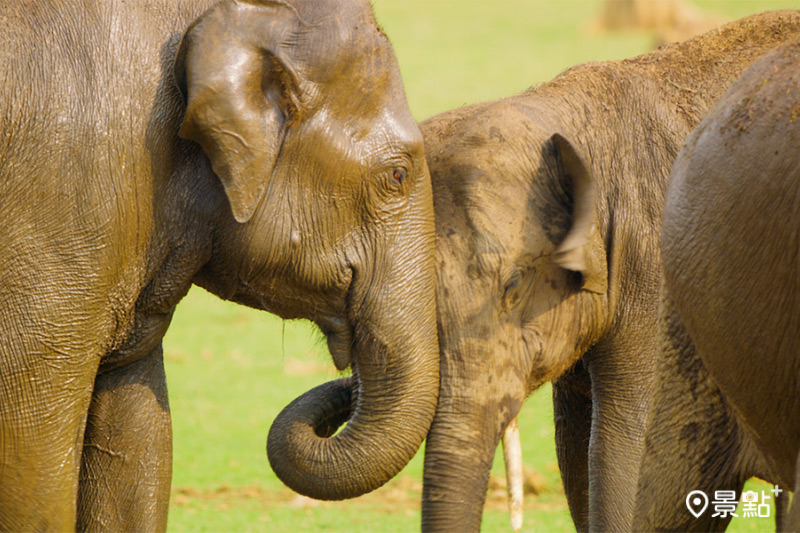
(522, 278)
(300, 108)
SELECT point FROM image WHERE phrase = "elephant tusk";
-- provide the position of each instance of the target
(512, 453)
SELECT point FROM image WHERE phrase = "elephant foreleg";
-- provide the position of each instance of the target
(44, 395)
(693, 442)
(572, 409)
(126, 466)
(621, 389)
(788, 516)
(782, 509)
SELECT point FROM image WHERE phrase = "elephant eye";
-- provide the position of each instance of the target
(510, 286)
(399, 175)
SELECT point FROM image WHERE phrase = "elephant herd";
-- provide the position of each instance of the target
(628, 231)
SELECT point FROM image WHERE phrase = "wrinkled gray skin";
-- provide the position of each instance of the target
(727, 401)
(548, 211)
(319, 206)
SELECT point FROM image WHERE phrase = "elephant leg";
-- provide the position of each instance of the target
(788, 517)
(620, 379)
(693, 441)
(782, 509)
(126, 469)
(44, 397)
(572, 408)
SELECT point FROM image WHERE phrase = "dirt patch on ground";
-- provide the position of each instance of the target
(402, 494)
(669, 20)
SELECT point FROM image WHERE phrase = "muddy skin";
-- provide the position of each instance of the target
(262, 150)
(726, 403)
(548, 208)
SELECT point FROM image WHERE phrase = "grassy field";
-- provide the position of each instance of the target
(230, 370)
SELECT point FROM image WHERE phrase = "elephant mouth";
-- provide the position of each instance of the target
(338, 330)
(339, 334)
(329, 313)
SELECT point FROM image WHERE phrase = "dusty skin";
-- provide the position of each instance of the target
(727, 402)
(548, 209)
(318, 206)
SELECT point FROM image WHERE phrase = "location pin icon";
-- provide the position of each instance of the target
(697, 502)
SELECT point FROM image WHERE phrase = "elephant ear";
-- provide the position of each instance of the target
(582, 250)
(241, 92)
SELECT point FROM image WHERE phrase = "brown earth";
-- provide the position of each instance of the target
(669, 20)
(403, 493)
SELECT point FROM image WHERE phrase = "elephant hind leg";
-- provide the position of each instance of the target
(572, 409)
(693, 440)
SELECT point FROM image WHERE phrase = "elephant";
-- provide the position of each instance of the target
(726, 396)
(548, 212)
(260, 149)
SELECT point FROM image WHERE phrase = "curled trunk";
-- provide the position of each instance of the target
(376, 444)
(390, 401)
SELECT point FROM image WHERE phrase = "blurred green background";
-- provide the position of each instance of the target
(231, 370)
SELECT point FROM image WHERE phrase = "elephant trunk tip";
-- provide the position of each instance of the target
(311, 418)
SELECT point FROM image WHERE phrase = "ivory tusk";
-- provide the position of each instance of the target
(512, 453)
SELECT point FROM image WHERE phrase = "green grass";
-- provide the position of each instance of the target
(230, 370)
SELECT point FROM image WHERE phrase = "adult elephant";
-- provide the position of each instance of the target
(548, 211)
(299, 187)
(727, 404)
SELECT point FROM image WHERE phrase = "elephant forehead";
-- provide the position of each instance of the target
(357, 59)
(396, 129)
(485, 223)
(502, 213)
(336, 25)
(367, 142)
(372, 98)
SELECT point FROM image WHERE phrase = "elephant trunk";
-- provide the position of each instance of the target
(456, 477)
(471, 418)
(391, 398)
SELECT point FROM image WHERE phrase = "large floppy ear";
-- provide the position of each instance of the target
(582, 250)
(241, 91)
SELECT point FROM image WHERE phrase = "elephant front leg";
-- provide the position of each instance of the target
(572, 409)
(782, 510)
(621, 380)
(126, 466)
(44, 397)
(788, 516)
(693, 443)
